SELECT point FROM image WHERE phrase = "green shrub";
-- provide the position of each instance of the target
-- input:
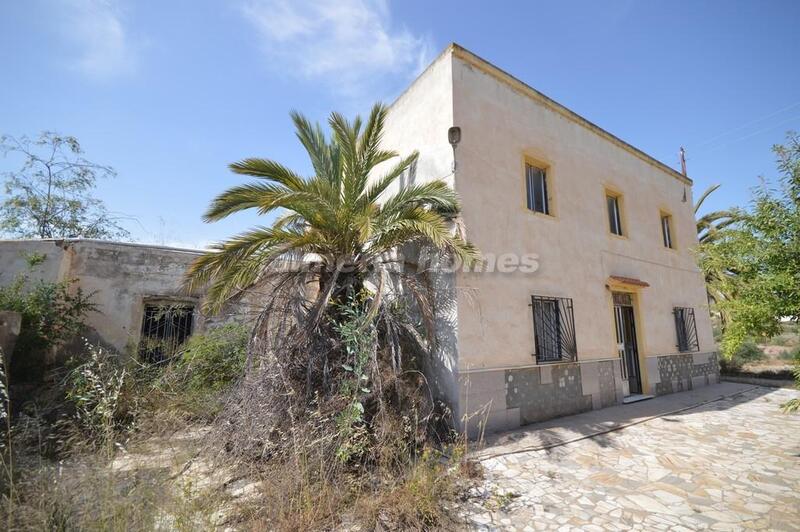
(214, 360)
(748, 351)
(793, 355)
(779, 340)
(194, 381)
(52, 314)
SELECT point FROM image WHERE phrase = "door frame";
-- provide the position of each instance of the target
(641, 346)
(624, 322)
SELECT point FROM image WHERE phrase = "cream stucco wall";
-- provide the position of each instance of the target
(419, 120)
(502, 123)
(484, 365)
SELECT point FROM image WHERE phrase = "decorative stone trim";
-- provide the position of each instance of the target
(494, 400)
(515, 397)
(686, 371)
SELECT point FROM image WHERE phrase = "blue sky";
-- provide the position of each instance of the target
(169, 93)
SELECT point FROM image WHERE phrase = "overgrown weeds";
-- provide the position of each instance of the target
(87, 495)
(411, 493)
(193, 384)
(328, 427)
(85, 453)
(94, 389)
(53, 313)
(337, 420)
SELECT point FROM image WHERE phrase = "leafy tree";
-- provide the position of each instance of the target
(50, 196)
(763, 251)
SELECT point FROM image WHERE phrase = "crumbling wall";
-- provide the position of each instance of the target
(121, 278)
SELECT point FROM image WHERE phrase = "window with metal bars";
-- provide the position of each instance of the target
(164, 328)
(553, 329)
(536, 189)
(686, 329)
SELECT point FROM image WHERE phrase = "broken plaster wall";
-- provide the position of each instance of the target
(121, 277)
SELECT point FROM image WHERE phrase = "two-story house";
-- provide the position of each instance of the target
(607, 305)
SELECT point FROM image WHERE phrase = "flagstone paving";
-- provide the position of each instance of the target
(732, 464)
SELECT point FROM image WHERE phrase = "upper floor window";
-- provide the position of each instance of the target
(536, 188)
(614, 213)
(685, 329)
(666, 230)
(553, 329)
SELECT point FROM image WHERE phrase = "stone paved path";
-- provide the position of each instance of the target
(732, 464)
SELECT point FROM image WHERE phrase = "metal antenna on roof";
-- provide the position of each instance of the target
(683, 161)
(683, 170)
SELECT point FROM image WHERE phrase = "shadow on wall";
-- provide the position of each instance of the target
(10, 326)
(441, 367)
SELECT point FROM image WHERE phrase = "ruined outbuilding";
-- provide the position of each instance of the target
(137, 288)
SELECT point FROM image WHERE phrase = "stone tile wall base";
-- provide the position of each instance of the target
(503, 400)
(494, 401)
(679, 373)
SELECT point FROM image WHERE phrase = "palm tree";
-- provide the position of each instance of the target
(711, 227)
(341, 217)
(342, 349)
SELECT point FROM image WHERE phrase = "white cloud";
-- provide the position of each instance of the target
(347, 44)
(102, 45)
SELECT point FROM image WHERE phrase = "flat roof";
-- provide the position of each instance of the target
(105, 242)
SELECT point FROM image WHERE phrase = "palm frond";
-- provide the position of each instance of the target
(236, 264)
(703, 197)
(341, 213)
(435, 194)
(243, 197)
(325, 157)
(266, 198)
(271, 170)
(374, 191)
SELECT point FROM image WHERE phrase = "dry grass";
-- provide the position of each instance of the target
(156, 477)
(92, 488)
(331, 427)
(419, 496)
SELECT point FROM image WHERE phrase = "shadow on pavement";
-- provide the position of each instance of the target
(600, 425)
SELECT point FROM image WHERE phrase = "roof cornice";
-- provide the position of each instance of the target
(525, 89)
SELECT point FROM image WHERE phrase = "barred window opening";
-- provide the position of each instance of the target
(553, 329)
(164, 329)
(686, 329)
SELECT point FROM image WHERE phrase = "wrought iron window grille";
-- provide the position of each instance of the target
(686, 329)
(553, 329)
(164, 329)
